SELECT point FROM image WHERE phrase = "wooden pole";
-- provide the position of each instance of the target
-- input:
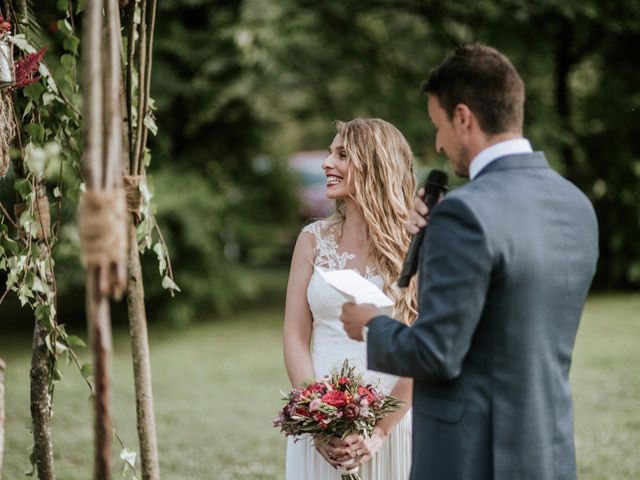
(135, 287)
(98, 313)
(141, 363)
(100, 334)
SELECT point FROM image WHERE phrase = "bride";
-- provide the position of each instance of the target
(369, 172)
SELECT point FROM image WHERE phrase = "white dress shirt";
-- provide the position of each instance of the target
(497, 150)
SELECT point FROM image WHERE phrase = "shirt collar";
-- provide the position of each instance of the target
(501, 149)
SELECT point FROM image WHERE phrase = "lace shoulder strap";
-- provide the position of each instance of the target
(326, 250)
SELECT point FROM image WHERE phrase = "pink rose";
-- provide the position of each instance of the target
(315, 404)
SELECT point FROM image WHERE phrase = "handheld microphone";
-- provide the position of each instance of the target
(434, 187)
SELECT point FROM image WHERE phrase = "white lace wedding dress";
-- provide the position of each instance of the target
(330, 346)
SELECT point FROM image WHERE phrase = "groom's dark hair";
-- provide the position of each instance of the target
(483, 79)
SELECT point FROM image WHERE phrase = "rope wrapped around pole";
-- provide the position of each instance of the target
(41, 212)
(134, 195)
(7, 131)
(102, 221)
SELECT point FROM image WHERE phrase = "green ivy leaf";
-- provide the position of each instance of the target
(75, 341)
(162, 263)
(24, 294)
(34, 91)
(43, 315)
(35, 250)
(31, 471)
(29, 278)
(68, 62)
(150, 123)
(86, 370)
(10, 245)
(28, 223)
(64, 26)
(36, 132)
(23, 44)
(27, 110)
(61, 348)
(169, 284)
(47, 98)
(39, 286)
(23, 187)
(129, 458)
(71, 44)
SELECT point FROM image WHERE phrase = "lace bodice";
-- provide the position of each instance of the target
(330, 345)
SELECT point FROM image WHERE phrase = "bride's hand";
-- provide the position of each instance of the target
(334, 450)
(363, 449)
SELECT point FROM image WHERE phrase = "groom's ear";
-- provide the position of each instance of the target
(462, 116)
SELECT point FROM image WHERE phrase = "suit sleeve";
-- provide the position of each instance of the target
(455, 271)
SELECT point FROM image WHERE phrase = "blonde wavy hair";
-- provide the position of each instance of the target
(383, 182)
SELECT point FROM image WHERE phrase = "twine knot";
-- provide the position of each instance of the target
(102, 225)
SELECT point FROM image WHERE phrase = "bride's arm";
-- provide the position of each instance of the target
(297, 315)
(403, 390)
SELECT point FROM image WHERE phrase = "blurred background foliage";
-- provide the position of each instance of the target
(241, 85)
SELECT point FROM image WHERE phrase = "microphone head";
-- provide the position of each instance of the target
(437, 182)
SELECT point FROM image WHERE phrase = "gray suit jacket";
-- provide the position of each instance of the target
(505, 268)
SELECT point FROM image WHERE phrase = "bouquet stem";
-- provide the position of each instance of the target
(350, 474)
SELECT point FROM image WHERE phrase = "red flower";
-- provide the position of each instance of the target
(26, 68)
(335, 398)
(315, 388)
(5, 27)
(344, 380)
(319, 417)
(365, 393)
(302, 412)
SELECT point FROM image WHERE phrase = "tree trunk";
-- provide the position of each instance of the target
(41, 363)
(141, 363)
(2, 369)
(99, 318)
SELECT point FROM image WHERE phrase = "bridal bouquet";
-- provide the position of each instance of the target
(339, 405)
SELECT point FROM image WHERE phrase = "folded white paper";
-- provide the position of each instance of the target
(355, 288)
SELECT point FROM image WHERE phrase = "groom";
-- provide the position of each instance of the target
(505, 268)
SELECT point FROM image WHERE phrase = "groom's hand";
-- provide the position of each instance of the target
(417, 214)
(354, 317)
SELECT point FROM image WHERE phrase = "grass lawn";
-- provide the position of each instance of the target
(217, 388)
